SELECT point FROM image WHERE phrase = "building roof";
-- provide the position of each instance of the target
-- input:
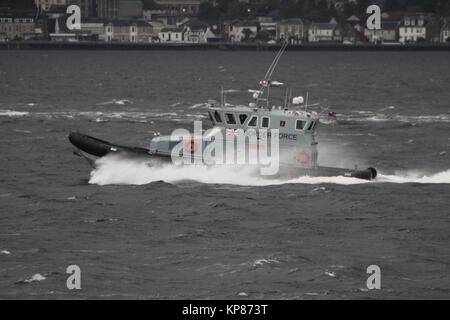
(323, 25)
(389, 24)
(125, 23)
(172, 30)
(353, 18)
(292, 21)
(196, 29)
(239, 23)
(195, 23)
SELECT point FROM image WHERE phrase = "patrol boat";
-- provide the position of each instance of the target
(294, 125)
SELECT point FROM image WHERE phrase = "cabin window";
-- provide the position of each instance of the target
(229, 117)
(253, 121)
(282, 123)
(311, 125)
(265, 122)
(300, 124)
(211, 117)
(242, 118)
(217, 117)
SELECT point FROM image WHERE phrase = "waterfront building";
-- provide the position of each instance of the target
(325, 32)
(172, 35)
(389, 32)
(88, 7)
(128, 31)
(295, 31)
(445, 33)
(238, 31)
(419, 27)
(17, 27)
(171, 12)
(119, 9)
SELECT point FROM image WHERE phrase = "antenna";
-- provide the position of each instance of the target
(286, 98)
(289, 98)
(306, 101)
(275, 62)
(265, 83)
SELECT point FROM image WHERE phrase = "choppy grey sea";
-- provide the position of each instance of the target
(199, 233)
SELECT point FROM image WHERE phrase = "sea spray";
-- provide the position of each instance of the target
(118, 170)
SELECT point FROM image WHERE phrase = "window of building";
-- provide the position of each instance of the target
(229, 118)
(300, 124)
(242, 118)
(253, 121)
(217, 117)
(265, 122)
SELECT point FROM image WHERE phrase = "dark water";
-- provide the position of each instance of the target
(203, 237)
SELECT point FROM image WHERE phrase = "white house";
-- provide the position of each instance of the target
(242, 30)
(213, 34)
(445, 33)
(319, 32)
(195, 30)
(195, 34)
(413, 28)
(174, 35)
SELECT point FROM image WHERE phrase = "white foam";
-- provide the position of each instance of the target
(198, 105)
(378, 117)
(416, 177)
(12, 113)
(120, 102)
(260, 262)
(116, 170)
(36, 277)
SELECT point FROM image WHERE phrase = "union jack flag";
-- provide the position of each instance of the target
(232, 132)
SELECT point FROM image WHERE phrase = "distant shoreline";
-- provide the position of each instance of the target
(46, 45)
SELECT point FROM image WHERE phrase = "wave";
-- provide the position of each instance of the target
(369, 116)
(416, 177)
(118, 170)
(198, 105)
(119, 102)
(12, 113)
(96, 116)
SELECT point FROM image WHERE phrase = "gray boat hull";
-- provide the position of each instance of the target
(92, 149)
